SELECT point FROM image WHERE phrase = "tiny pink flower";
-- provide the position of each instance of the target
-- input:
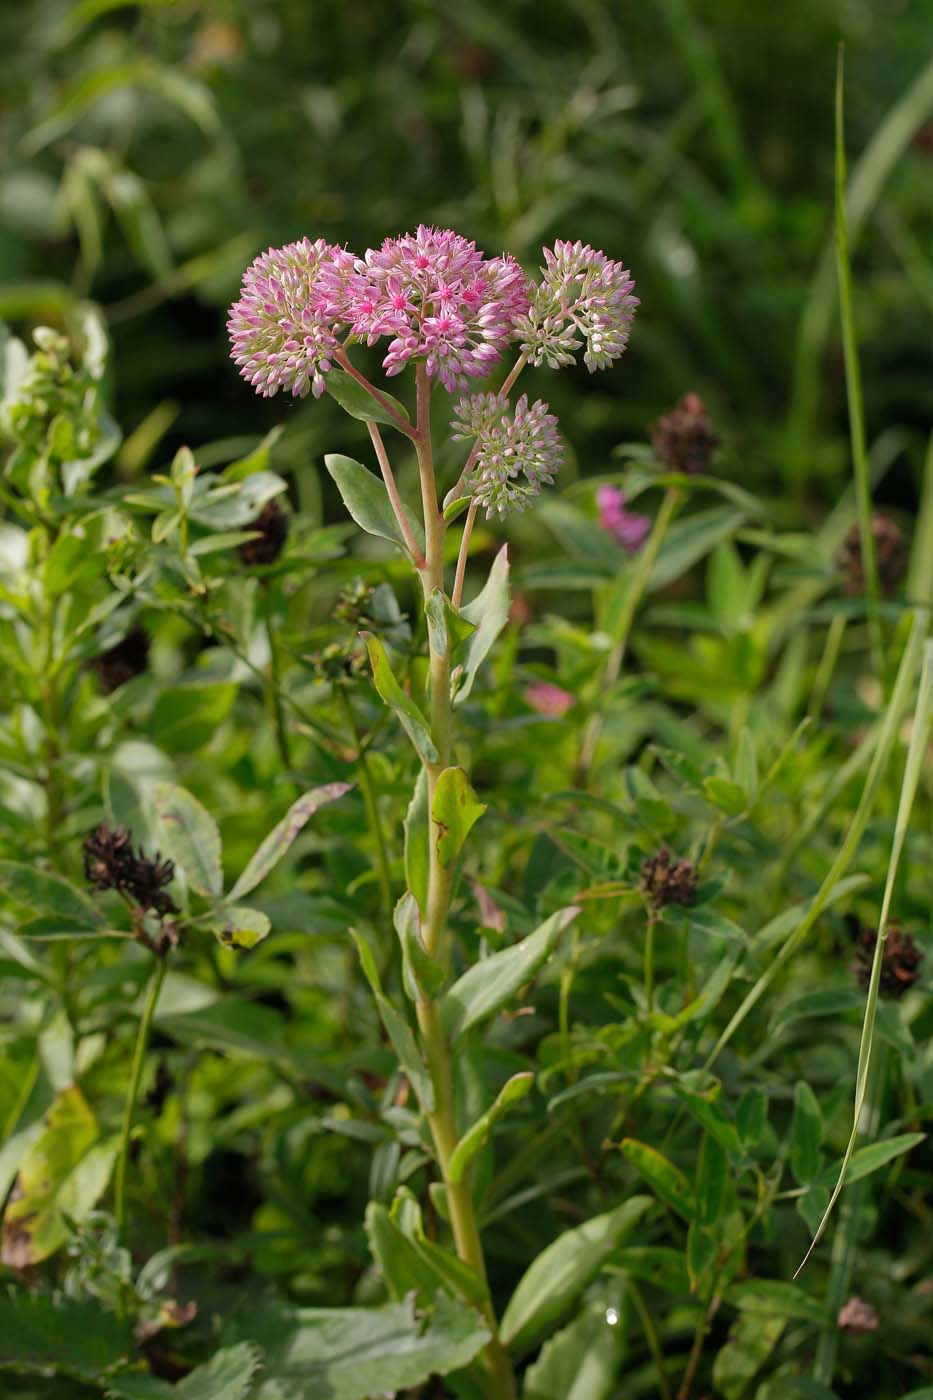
(549, 699)
(629, 529)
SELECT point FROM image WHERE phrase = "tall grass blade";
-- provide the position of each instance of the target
(919, 738)
(885, 149)
(887, 735)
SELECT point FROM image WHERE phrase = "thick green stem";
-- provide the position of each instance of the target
(649, 963)
(623, 627)
(132, 1093)
(443, 1121)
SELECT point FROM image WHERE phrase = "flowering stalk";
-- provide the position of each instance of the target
(450, 313)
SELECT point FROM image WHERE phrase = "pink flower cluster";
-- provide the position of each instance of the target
(283, 330)
(438, 300)
(441, 300)
(433, 292)
(584, 299)
(515, 454)
(629, 529)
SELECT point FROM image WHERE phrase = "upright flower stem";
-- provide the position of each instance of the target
(388, 477)
(442, 1121)
(464, 554)
(636, 591)
(649, 962)
(132, 1093)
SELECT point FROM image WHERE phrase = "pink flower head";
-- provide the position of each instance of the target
(548, 699)
(584, 299)
(284, 327)
(629, 529)
(441, 300)
(514, 455)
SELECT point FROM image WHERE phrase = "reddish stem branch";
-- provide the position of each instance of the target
(395, 499)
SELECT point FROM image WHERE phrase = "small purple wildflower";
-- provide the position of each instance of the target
(283, 329)
(583, 298)
(514, 455)
(629, 529)
(441, 300)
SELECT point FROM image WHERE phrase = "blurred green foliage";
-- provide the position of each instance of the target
(165, 143)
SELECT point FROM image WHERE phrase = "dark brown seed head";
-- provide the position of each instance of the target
(108, 858)
(111, 863)
(121, 663)
(272, 526)
(890, 556)
(900, 960)
(669, 881)
(684, 438)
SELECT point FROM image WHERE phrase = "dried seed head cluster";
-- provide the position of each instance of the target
(684, 438)
(111, 863)
(669, 881)
(120, 663)
(272, 526)
(515, 454)
(629, 529)
(900, 960)
(890, 556)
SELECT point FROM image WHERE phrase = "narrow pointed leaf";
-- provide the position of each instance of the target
(273, 848)
(489, 984)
